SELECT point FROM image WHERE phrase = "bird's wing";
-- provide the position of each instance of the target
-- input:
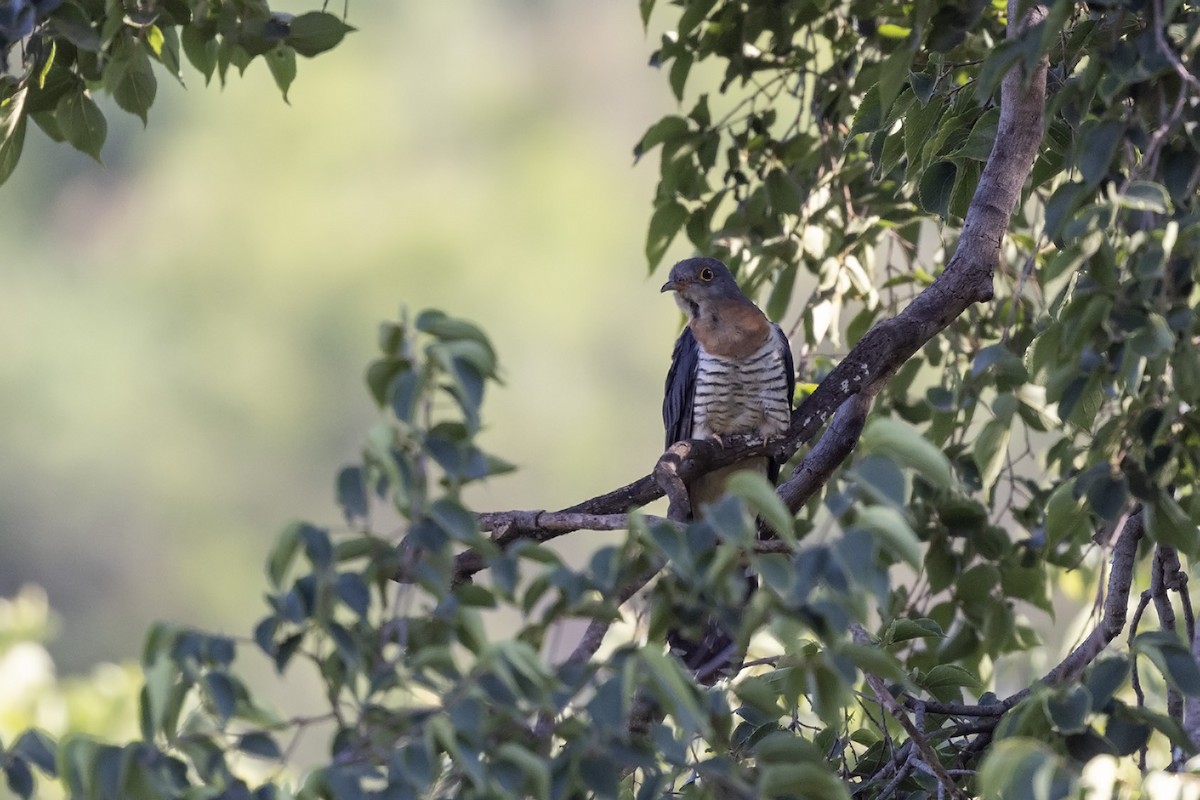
(680, 388)
(781, 339)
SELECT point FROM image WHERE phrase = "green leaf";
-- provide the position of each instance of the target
(1145, 196)
(200, 47)
(76, 29)
(352, 493)
(800, 780)
(1065, 517)
(666, 680)
(12, 132)
(645, 7)
(279, 560)
(922, 86)
(260, 745)
(665, 223)
(892, 531)
(903, 630)
(905, 445)
(869, 116)
(978, 145)
(1107, 495)
(998, 62)
(665, 130)
(154, 39)
(1172, 657)
(19, 778)
(160, 678)
(439, 324)
(678, 74)
(136, 85)
(352, 590)
(944, 681)
(936, 186)
(37, 747)
(877, 662)
(1104, 678)
(1166, 523)
(315, 32)
(317, 545)
(535, 768)
(1068, 708)
(830, 692)
(82, 123)
(1017, 767)
(1098, 145)
(458, 523)
(880, 476)
(990, 451)
(760, 496)
(892, 74)
(1126, 734)
(918, 124)
(221, 693)
(282, 62)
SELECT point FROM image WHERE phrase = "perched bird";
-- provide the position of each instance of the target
(731, 373)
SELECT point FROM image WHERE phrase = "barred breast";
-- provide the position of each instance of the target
(742, 395)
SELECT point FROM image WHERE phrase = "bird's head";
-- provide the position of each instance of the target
(699, 282)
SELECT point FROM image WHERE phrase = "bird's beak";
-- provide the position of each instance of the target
(670, 286)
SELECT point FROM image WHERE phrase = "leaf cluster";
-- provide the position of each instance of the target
(70, 50)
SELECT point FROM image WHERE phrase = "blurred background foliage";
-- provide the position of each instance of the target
(183, 331)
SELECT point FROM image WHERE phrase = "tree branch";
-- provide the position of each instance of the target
(1116, 605)
(929, 756)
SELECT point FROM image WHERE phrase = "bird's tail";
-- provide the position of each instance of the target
(714, 653)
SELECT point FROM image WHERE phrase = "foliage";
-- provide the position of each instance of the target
(67, 51)
(1007, 459)
(35, 705)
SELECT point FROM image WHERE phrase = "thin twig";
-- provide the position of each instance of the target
(928, 755)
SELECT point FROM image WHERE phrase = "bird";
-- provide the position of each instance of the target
(731, 373)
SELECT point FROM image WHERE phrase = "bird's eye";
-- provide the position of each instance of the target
(706, 274)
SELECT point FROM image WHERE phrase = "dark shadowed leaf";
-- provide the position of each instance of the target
(1173, 659)
(200, 47)
(315, 32)
(221, 694)
(82, 123)
(353, 591)
(869, 116)
(665, 130)
(665, 223)
(1096, 151)
(261, 745)
(937, 184)
(317, 545)
(19, 778)
(1104, 678)
(136, 85)
(1126, 734)
(1068, 708)
(883, 479)
(37, 747)
(352, 493)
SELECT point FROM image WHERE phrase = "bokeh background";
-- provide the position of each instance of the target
(184, 330)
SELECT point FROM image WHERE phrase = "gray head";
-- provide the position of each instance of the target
(697, 282)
